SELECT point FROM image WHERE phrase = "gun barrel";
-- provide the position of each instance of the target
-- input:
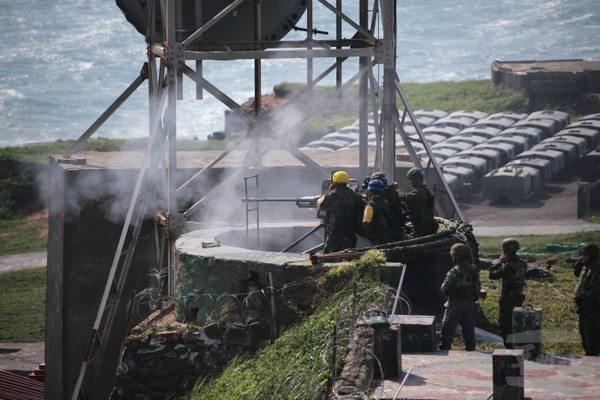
(302, 202)
(277, 199)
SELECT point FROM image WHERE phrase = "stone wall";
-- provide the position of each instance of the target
(168, 364)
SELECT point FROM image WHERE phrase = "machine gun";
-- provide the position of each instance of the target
(301, 202)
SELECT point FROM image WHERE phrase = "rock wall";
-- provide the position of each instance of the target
(168, 364)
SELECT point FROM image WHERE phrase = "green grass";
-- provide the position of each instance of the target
(560, 334)
(24, 234)
(297, 365)
(480, 95)
(537, 243)
(39, 152)
(23, 306)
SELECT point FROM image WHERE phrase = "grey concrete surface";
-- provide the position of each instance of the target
(21, 358)
(16, 262)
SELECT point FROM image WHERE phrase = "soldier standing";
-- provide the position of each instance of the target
(398, 208)
(587, 298)
(420, 204)
(378, 220)
(461, 288)
(344, 209)
(511, 269)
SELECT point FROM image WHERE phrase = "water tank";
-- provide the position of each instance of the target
(505, 150)
(562, 117)
(591, 136)
(447, 131)
(495, 122)
(519, 143)
(464, 175)
(587, 124)
(478, 165)
(476, 115)
(591, 117)
(277, 19)
(541, 164)
(548, 126)
(580, 143)
(569, 149)
(437, 114)
(515, 116)
(491, 156)
(487, 132)
(514, 183)
(455, 121)
(533, 135)
(556, 158)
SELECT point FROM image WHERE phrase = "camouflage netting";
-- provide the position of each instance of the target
(449, 233)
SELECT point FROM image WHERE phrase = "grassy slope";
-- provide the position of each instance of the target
(22, 306)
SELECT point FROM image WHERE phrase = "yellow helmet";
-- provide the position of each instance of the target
(341, 177)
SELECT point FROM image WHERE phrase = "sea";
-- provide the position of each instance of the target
(63, 62)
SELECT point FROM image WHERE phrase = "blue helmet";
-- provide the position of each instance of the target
(375, 185)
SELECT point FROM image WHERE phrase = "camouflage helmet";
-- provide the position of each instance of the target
(460, 251)
(591, 250)
(341, 177)
(510, 245)
(415, 173)
(381, 176)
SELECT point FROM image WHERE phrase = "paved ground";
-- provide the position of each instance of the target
(460, 375)
(15, 262)
(21, 358)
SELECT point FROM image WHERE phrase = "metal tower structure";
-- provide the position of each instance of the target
(180, 45)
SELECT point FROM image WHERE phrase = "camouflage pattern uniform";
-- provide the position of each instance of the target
(512, 272)
(344, 212)
(587, 304)
(461, 288)
(420, 206)
(398, 211)
(398, 208)
(380, 229)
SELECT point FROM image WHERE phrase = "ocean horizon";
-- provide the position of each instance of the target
(64, 62)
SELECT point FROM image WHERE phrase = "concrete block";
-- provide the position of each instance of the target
(508, 374)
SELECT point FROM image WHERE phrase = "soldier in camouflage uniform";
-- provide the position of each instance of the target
(587, 298)
(344, 209)
(398, 208)
(420, 204)
(378, 220)
(511, 269)
(461, 288)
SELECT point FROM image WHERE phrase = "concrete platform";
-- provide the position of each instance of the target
(465, 375)
(21, 358)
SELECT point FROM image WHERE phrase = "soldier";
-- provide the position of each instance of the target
(398, 208)
(378, 220)
(511, 269)
(344, 212)
(461, 288)
(420, 204)
(587, 298)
